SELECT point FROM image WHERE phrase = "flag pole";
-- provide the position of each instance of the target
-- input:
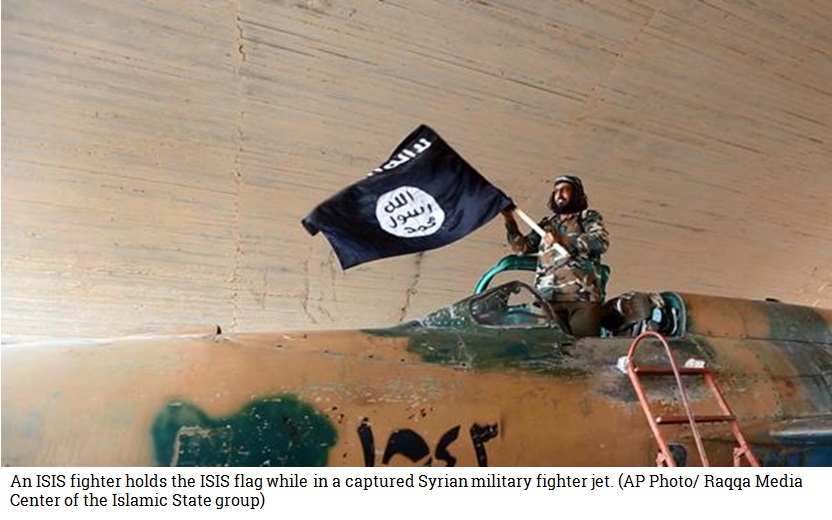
(528, 220)
(563, 254)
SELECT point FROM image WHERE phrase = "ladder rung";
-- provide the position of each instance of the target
(653, 370)
(680, 419)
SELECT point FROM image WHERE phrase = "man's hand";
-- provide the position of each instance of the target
(550, 238)
(511, 224)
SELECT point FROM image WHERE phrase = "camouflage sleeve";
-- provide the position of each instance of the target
(519, 243)
(594, 240)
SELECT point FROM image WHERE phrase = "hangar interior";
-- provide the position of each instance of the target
(158, 157)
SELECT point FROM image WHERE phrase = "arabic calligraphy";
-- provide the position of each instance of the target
(412, 446)
(408, 211)
(404, 156)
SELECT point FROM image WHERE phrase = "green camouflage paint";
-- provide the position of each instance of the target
(791, 327)
(275, 431)
(535, 350)
(796, 323)
(532, 350)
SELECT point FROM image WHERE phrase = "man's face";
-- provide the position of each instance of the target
(562, 194)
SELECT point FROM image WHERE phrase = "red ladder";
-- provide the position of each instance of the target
(664, 457)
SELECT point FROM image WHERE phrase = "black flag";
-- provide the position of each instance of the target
(423, 197)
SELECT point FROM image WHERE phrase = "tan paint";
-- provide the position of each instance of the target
(104, 397)
(93, 403)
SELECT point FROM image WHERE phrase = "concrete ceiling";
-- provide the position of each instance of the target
(157, 157)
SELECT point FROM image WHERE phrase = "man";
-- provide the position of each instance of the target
(572, 287)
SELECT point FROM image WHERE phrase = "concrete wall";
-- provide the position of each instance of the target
(157, 157)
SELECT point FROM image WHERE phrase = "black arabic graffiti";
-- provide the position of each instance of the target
(479, 436)
(408, 443)
(411, 445)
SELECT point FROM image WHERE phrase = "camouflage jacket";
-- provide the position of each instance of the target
(586, 239)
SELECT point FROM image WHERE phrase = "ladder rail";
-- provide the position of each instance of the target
(743, 448)
(664, 456)
(631, 371)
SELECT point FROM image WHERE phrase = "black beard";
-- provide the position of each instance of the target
(565, 209)
(576, 204)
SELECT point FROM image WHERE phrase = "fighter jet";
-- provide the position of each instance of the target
(493, 379)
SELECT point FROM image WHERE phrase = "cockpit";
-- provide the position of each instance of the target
(514, 304)
(517, 305)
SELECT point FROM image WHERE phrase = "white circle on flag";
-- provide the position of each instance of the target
(408, 212)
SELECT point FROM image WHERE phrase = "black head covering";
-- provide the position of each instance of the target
(578, 202)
